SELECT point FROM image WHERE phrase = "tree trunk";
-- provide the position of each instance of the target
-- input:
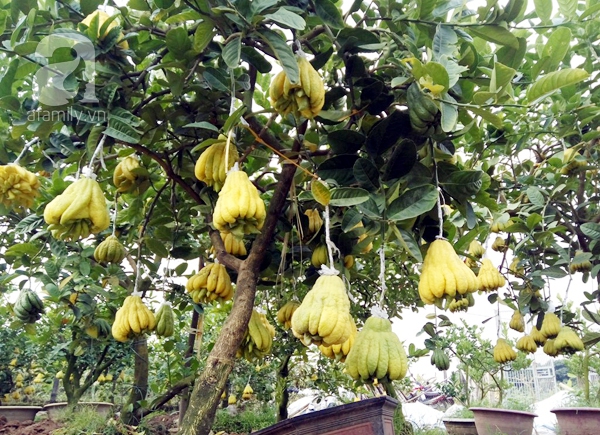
(54, 393)
(219, 364)
(185, 394)
(140, 383)
(282, 395)
(400, 425)
(585, 375)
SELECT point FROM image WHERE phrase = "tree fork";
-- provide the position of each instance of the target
(209, 386)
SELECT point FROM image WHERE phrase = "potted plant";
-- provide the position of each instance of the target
(461, 422)
(510, 417)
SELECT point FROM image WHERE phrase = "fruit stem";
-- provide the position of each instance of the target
(25, 148)
(437, 186)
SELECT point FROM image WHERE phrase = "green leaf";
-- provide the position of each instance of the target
(164, 4)
(493, 119)
(367, 174)
(3, 16)
(444, 42)
(496, 34)
(234, 119)
(177, 41)
(203, 35)
(202, 124)
(232, 51)
(348, 196)
(413, 203)
(138, 5)
(217, 79)
(345, 141)
(257, 6)
(543, 9)
(254, 58)
(401, 161)
(554, 272)
(557, 47)
(589, 11)
(568, 8)
(590, 339)
(339, 168)
(329, 13)
(157, 247)
(591, 229)
(502, 75)
(287, 18)
(283, 53)
(449, 114)
(535, 196)
(553, 81)
(463, 184)
(408, 243)
(28, 249)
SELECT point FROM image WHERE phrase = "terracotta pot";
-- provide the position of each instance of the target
(460, 426)
(54, 409)
(491, 421)
(367, 417)
(577, 421)
(19, 413)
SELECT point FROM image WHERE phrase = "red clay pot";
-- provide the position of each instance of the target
(578, 421)
(491, 421)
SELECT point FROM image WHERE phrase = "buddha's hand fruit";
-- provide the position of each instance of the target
(258, 339)
(130, 177)
(489, 277)
(284, 315)
(212, 283)
(165, 320)
(339, 352)
(18, 187)
(110, 251)
(503, 352)
(517, 322)
(133, 318)
(211, 167)
(28, 307)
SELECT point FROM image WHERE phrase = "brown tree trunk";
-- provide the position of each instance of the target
(282, 395)
(219, 364)
(139, 389)
(185, 394)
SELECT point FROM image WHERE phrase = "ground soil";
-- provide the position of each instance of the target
(27, 427)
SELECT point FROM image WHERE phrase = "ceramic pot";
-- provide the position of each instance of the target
(460, 426)
(577, 421)
(54, 409)
(491, 421)
(19, 413)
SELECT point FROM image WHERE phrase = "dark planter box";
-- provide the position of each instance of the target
(491, 421)
(578, 421)
(367, 417)
(460, 426)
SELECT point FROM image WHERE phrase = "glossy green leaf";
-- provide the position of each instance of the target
(444, 42)
(413, 203)
(367, 174)
(553, 81)
(490, 117)
(287, 18)
(348, 196)
(401, 161)
(496, 34)
(591, 229)
(449, 115)
(254, 58)
(177, 41)
(345, 141)
(567, 8)
(232, 51)
(408, 243)
(157, 247)
(339, 168)
(329, 13)
(463, 184)
(283, 53)
(203, 35)
(202, 124)
(535, 196)
(543, 8)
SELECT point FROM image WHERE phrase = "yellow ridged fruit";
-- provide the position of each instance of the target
(232, 400)
(39, 378)
(537, 336)
(499, 245)
(440, 359)
(108, 377)
(572, 161)
(517, 322)
(18, 187)
(315, 222)
(550, 348)
(305, 98)
(258, 339)
(348, 261)
(526, 344)
(130, 177)
(15, 395)
(239, 209)
(323, 317)
(362, 236)
(514, 267)
(503, 352)
(212, 283)
(285, 313)
(476, 249)
(497, 227)
(489, 277)
(59, 375)
(78, 212)
(444, 274)
(133, 318)
(211, 168)
(339, 352)
(101, 378)
(377, 353)
(583, 265)
(247, 393)
(567, 341)
(29, 390)
(319, 256)
(550, 325)
(19, 378)
(102, 17)
(459, 303)
(234, 244)
(110, 250)
(165, 320)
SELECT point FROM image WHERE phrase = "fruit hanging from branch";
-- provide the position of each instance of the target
(133, 318)
(212, 283)
(211, 167)
(18, 187)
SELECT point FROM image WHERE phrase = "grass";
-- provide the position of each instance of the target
(247, 420)
(84, 420)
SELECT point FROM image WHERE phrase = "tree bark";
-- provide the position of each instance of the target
(219, 364)
(281, 392)
(139, 389)
(185, 393)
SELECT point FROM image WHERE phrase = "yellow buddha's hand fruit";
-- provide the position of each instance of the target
(550, 325)
(580, 264)
(567, 341)
(78, 212)
(305, 98)
(517, 322)
(339, 352)
(285, 313)
(258, 339)
(526, 344)
(537, 336)
(133, 318)
(503, 352)
(247, 393)
(212, 283)
(18, 187)
(165, 320)
(489, 277)
(239, 209)
(323, 317)
(377, 353)
(319, 256)
(102, 18)
(130, 177)
(211, 167)
(444, 274)
(315, 222)
(110, 251)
